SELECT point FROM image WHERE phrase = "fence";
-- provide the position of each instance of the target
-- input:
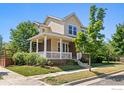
(4, 59)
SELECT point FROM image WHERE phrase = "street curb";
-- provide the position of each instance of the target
(91, 78)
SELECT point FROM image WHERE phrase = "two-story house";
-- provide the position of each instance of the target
(55, 40)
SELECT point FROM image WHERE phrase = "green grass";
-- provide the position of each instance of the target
(104, 63)
(31, 70)
(61, 79)
(1, 77)
(69, 67)
(37, 70)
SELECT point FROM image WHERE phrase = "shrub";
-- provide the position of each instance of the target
(42, 61)
(19, 58)
(50, 63)
(30, 59)
(35, 59)
(71, 62)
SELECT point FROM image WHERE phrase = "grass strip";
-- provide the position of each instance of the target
(61, 79)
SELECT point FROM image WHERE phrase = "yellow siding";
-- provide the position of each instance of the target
(73, 21)
(56, 27)
(54, 46)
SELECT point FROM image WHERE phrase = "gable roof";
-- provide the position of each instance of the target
(63, 19)
(72, 15)
(60, 19)
(53, 18)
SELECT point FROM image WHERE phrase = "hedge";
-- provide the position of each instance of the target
(21, 58)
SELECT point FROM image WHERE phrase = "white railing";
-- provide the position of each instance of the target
(57, 55)
(66, 55)
(41, 53)
(79, 55)
(53, 55)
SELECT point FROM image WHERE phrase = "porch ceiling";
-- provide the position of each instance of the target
(50, 35)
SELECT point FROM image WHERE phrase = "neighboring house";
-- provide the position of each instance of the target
(55, 40)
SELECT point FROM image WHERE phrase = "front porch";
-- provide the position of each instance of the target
(54, 46)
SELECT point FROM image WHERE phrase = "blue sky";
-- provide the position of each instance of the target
(12, 14)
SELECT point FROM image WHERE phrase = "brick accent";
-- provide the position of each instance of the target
(72, 49)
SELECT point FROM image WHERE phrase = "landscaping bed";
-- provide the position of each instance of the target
(61, 79)
(37, 70)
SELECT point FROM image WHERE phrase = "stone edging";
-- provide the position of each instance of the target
(91, 78)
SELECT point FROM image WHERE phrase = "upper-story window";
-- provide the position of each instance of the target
(72, 30)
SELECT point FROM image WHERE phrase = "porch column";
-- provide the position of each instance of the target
(45, 45)
(30, 46)
(37, 48)
(61, 48)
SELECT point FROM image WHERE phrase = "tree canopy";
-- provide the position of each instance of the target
(21, 34)
(92, 40)
(118, 39)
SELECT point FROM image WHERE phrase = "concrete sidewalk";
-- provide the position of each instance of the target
(106, 80)
(12, 78)
(58, 73)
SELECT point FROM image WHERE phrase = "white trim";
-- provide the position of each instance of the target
(45, 45)
(50, 34)
(56, 55)
(61, 48)
(62, 45)
(79, 55)
(30, 46)
(72, 30)
(37, 46)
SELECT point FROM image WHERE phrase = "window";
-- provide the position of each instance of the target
(58, 47)
(72, 30)
(64, 47)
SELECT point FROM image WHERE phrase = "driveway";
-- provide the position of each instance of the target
(12, 78)
(115, 79)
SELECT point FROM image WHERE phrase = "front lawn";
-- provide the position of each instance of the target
(37, 70)
(61, 79)
(104, 63)
(1, 77)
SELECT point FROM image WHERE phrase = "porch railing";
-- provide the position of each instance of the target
(57, 55)
(79, 55)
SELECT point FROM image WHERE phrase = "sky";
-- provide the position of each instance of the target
(12, 14)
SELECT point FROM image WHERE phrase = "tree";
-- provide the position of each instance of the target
(1, 43)
(118, 39)
(92, 40)
(81, 42)
(107, 52)
(21, 34)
